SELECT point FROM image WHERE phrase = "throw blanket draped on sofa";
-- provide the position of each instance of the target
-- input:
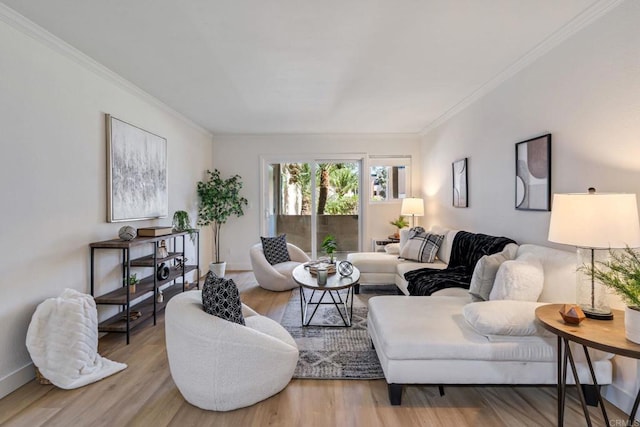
(466, 250)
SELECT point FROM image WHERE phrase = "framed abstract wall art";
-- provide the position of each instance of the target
(460, 199)
(533, 174)
(137, 185)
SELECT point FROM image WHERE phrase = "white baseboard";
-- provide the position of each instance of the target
(16, 379)
(619, 398)
(239, 267)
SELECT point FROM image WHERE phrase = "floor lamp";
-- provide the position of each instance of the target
(594, 222)
(412, 206)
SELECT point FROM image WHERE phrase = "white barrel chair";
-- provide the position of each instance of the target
(220, 365)
(276, 277)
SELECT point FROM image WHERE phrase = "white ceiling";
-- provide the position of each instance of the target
(307, 66)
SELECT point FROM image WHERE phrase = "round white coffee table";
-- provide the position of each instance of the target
(335, 283)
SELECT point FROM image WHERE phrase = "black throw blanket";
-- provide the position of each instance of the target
(466, 250)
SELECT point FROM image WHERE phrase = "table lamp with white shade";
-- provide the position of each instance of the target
(594, 222)
(412, 206)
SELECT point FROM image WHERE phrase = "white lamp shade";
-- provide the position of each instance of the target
(597, 220)
(412, 206)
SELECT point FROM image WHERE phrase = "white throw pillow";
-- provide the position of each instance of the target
(392, 248)
(484, 274)
(504, 317)
(520, 279)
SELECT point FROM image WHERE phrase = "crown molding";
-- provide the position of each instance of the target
(36, 32)
(585, 18)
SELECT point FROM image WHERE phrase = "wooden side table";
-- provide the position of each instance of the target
(605, 335)
(377, 244)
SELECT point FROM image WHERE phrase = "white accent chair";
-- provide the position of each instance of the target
(276, 277)
(220, 365)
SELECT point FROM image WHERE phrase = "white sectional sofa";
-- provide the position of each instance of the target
(448, 339)
(382, 268)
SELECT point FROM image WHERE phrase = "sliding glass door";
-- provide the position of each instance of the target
(310, 200)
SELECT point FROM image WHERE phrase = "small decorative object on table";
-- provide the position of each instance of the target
(133, 315)
(180, 262)
(160, 296)
(322, 275)
(162, 249)
(572, 314)
(163, 271)
(127, 233)
(345, 268)
(133, 281)
(313, 267)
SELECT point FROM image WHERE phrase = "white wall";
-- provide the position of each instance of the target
(53, 182)
(240, 154)
(586, 93)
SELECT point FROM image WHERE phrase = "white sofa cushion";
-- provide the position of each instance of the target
(433, 328)
(484, 274)
(520, 279)
(503, 317)
(374, 262)
(444, 253)
(559, 272)
(392, 248)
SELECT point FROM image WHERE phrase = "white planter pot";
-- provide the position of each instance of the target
(218, 268)
(632, 324)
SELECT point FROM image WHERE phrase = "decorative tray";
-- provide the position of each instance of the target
(313, 266)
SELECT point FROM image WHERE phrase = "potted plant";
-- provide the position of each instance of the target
(621, 272)
(133, 281)
(329, 246)
(400, 223)
(219, 199)
(182, 222)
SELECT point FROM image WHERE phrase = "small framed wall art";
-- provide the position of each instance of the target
(460, 199)
(136, 173)
(533, 174)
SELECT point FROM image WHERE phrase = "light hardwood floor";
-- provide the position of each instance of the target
(145, 395)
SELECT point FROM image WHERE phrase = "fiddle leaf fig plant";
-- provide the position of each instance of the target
(219, 199)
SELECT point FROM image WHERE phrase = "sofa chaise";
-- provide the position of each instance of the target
(447, 338)
(378, 268)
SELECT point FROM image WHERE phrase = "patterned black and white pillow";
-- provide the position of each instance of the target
(275, 249)
(421, 246)
(221, 298)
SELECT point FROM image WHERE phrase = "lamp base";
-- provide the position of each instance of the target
(596, 314)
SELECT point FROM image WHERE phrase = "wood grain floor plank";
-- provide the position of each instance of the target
(144, 394)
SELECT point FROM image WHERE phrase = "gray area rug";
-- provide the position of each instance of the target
(335, 352)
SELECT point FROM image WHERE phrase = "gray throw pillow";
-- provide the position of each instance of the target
(275, 249)
(421, 246)
(484, 274)
(220, 297)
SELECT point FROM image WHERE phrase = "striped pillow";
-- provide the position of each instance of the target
(421, 247)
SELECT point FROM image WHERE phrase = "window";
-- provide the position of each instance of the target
(388, 178)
